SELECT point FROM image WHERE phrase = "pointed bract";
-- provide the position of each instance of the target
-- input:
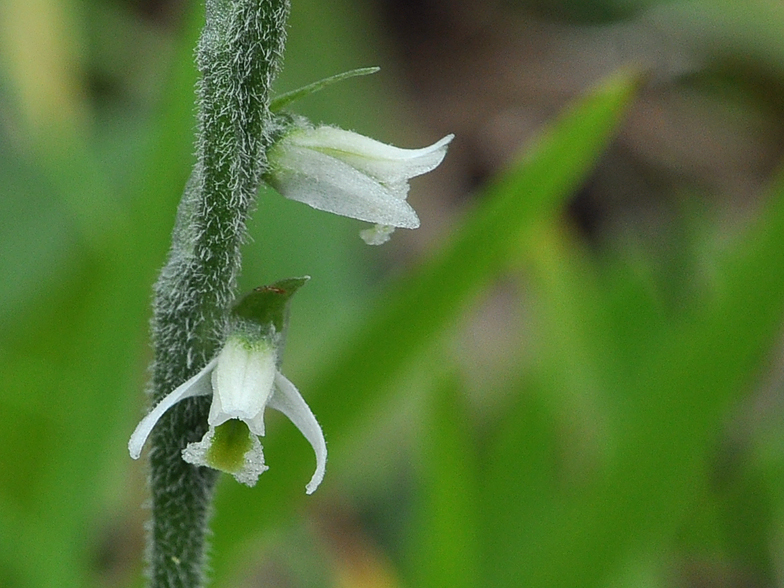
(284, 99)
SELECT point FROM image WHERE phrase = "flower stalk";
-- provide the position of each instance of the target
(217, 368)
(238, 57)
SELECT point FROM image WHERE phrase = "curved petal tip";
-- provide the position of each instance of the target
(198, 385)
(287, 399)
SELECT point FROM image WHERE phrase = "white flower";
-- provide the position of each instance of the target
(351, 175)
(243, 380)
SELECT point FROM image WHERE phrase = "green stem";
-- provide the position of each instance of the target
(238, 56)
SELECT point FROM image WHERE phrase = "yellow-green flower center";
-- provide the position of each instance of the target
(230, 443)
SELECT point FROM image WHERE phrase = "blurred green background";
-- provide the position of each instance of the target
(571, 375)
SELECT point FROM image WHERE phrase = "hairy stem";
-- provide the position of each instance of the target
(238, 56)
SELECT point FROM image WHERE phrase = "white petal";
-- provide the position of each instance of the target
(287, 399)
(256, 424)
(328, 184)
(242, 383)
(384, 162)
(198, 385)
(398, 189)
(253, 467)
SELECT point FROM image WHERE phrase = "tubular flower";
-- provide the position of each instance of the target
(351, 175)
(243, 380)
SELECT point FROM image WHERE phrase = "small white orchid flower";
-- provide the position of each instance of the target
(243, 380)
(351, 175)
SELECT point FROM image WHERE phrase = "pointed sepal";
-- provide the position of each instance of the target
(268, 306)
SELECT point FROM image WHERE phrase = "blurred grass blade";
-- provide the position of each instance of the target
(411, 315)
(446, 551)
(668, 413)
(88, 331)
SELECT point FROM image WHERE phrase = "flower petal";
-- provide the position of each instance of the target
(198, 385)
(287, 399)
(253, 461)
(241, 383)
(384, 162)
(331, 185)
